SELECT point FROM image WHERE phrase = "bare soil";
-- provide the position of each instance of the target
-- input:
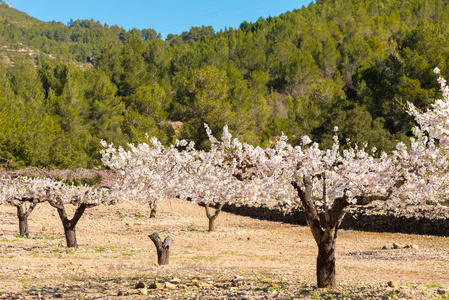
(244, 258)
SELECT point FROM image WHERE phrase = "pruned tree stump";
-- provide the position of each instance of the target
(162, 248)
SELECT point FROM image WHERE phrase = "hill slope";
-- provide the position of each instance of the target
(350, 64)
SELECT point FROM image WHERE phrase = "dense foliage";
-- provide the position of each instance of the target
(350, 64)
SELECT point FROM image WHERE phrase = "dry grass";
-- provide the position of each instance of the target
(115, 252)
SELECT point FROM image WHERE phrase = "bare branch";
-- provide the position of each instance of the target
(310, 210)
(338, 212)
(326, 207)
(79, 212)
(30, 210)
(56, 204)
(365, 200)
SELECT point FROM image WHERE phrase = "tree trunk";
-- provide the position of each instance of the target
(212, 224)
(23, 213)
(325, 239)
(325, 266)
(213, 217)
(23, 224)
(162, 248)
(70, 236)
(69, 225)
(23, 221)
(153, 206)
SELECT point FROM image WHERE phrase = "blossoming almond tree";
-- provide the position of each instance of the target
(336, 179)
(204, 180)
(212, 180)
(25, 194)
(146, 173)
(81, 197)
(209, 187)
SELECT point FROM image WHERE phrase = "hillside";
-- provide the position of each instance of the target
(350, 64)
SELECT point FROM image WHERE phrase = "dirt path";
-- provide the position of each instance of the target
(244, 259)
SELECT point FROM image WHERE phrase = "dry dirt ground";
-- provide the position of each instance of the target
(245, 258)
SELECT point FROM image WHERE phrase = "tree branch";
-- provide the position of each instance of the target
(326, 207)
(30, 210)
(337, 211)
(365, 200)
(56, 204)
(310, 211)
(208, 212)
(79, 212)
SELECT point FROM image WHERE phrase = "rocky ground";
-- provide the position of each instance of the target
(244, 259)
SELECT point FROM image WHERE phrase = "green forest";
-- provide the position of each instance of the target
(346, 63)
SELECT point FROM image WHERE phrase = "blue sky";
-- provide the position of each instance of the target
(164, 16)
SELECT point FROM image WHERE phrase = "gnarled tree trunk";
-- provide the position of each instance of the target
(325, 238)
(23, 213)
(69, 225)
(333, 216)
(325, 265)
(213, 217)
(153, 206)
(162, 248)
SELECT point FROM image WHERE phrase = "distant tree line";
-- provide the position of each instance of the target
(350, 64)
